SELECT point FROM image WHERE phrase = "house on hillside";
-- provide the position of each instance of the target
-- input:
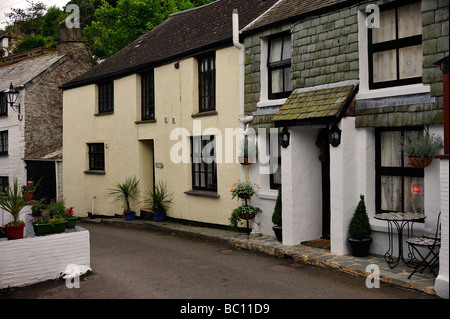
(8, 41)
(31, 130)
(146, 111)
(319, 72)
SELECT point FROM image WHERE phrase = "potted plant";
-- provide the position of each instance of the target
(359, 229)
(44, 226)
(13, 201)
(125, 193)
(159, 200)
(28, 190)
(248, 152)
(70, 218)
(243, 190)
(276, 217)
(56, 207)
(421, 147)
(246, 212)
(36, 208)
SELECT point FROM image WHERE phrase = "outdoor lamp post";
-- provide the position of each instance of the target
(334, 135)
(11, 96)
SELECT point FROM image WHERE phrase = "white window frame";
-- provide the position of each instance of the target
(364, 91)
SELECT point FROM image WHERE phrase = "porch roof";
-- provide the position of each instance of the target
(316, 105)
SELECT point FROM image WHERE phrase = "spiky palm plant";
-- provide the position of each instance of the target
(159, 199)
(13, 201)
(125, 192)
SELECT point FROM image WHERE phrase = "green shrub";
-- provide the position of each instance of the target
(359, 227)
(276, 216)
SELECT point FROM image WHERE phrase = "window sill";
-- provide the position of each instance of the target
(145, 121)
(206, 113)
(276, 102)
(365, 94)
(104, 113)
(94, 172)
(197, 192)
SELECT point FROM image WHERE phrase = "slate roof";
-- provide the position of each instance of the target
(23, 72)
(183, 34)
(285, 10)
(319, 104)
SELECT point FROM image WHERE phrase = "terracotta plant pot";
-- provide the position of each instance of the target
(419, 162)
(28, 195)
(15, 232)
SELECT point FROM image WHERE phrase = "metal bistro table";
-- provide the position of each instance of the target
(399, 220)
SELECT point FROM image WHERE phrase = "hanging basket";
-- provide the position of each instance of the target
(419, 162)
(247, 216)
(244, 195)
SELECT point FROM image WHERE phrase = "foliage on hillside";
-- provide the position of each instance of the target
(109, 25)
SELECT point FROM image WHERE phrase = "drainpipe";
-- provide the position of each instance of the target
(243, 120)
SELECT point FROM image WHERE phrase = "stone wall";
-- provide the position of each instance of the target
(43, 100)
(325, 49)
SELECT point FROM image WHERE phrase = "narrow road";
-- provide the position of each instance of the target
(143, 264)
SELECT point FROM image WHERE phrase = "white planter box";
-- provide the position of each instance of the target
(35, 259)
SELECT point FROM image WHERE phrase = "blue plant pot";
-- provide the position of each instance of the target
(130, 215)
(159, 217)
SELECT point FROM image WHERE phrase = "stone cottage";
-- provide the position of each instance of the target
(358, 75)
(31, 135)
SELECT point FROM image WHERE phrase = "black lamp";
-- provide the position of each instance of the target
(11, 96)
(284, 137)
(334, 135)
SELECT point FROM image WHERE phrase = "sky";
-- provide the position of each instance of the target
(5, 7)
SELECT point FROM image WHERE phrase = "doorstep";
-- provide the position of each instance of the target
(298, 253)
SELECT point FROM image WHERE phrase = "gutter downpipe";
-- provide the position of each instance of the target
(241, 49)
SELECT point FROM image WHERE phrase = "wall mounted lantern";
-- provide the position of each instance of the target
(334, 135)
(11, 96)
(284, 137)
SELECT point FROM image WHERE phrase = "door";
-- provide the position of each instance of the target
(44, 173)
(324, 157)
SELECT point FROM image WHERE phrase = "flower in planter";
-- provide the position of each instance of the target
(240, 212)
(15, 223)
(421, 144)
(69, 212)
(245, 189)
(57, 206)
(28, 187)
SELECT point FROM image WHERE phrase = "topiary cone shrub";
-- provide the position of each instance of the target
(360, 230)
(276, 217)
(359, 227)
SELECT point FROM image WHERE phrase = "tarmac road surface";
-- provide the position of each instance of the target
(146, 264)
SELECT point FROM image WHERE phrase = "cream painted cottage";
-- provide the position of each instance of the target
(152, 107)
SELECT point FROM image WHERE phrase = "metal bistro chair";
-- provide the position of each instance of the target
(429, 241)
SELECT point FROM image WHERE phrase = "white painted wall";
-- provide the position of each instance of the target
(302, 189)
(442, 283)
(12, 164)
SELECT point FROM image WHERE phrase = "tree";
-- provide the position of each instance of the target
(28, 20)
(113, 28)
